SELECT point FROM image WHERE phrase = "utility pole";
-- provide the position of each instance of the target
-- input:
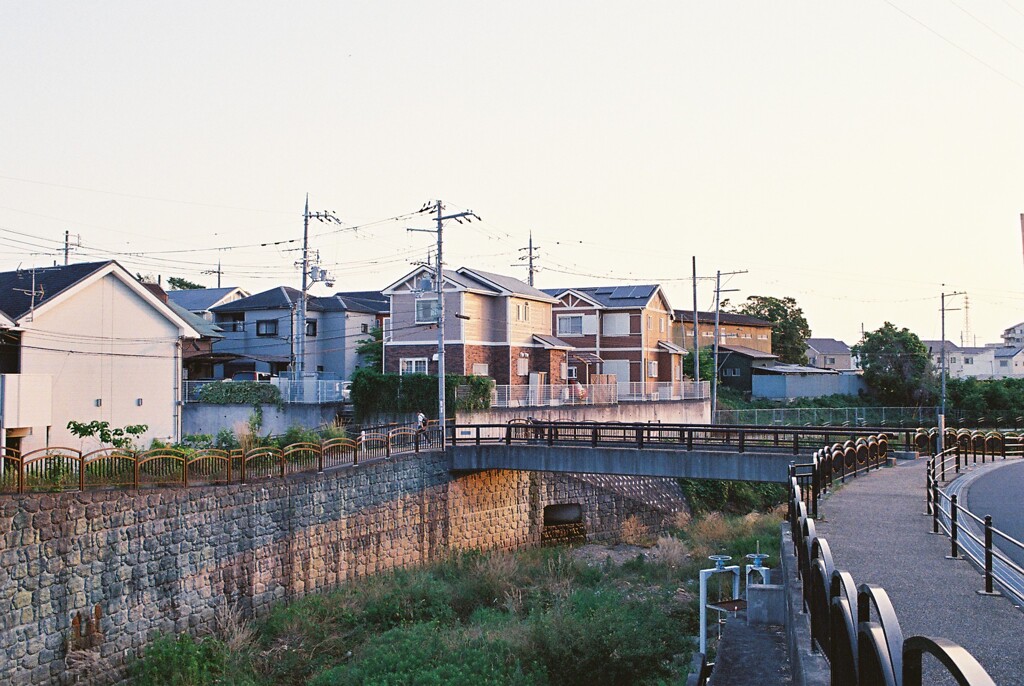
(299, 336)
(440, 218)
(942, 347)
(696, 341)
(718, 302)
(529, 256)
(218, 271)
(68, 246)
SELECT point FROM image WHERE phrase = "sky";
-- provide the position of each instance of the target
(863, 158)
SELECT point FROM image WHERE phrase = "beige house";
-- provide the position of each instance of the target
(86, 342)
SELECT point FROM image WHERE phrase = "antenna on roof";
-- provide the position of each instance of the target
(34, 293)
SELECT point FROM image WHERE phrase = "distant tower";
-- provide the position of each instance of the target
(965, 335)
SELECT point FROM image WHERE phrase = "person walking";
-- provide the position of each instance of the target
(421, 427)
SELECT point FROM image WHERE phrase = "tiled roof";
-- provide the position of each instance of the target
(730, 318)
(16, 287)
(205, 328)
(365, 301)
(748, 352)
(828, 346)
(935, 347)
(506, 283)
(613, 297)
(552, 342)
(199, 299)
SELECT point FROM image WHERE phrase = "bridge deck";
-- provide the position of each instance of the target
(877, 533)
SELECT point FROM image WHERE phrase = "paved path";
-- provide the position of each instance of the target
(751, 655)
(997, 492)
(877, 533)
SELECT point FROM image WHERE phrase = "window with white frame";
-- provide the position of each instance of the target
(311, 327)
(968, 360)
(762, 337)
(731, 371)
(952, 360)
(479, 369)
(364, 328)
(570, 372)
(570, 325)
(266, 327)
(413, 365)
(427, 311)
(661, 324)
(522, 312)
(652, 368)
(523, 366)
(830, 360)
(1004, 363)
(648, 322)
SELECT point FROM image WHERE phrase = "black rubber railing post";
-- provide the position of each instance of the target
(988, 555)
(954, 549)
(942, 466)
(741, 441)
(796, 444)
(929, 478)
(815, 488)
(936, 507)
(958, 457)
(689, 439)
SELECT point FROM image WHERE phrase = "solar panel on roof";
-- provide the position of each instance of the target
(643, 291)
(604, 290)
(622, 292)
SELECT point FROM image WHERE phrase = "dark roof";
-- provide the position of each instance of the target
(617, 297)
(1009, 351)
(672, 347)
(731, 318)
(366, 301)
(205, 328)
(199, 299)
(794, 369)
(16, 287)
(828, 346)
(508, 283)
(552, 342)
(748, 352)
(935, 347)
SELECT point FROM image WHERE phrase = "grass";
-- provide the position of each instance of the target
(534, 617)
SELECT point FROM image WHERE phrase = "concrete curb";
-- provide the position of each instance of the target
(809, 668)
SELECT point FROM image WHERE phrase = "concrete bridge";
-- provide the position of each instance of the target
(737, 453)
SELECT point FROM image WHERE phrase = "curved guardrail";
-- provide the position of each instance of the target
(972, 536)
(855, 626)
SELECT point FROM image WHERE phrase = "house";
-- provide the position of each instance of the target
(494, 325)
(1009, 362)
(197, 354)
(829, 353)
(733, 329)
(258, 331)
(201, 301)
(1014, 336)
(736, 365)
(974, 362)
(86, 342)
(626, 330)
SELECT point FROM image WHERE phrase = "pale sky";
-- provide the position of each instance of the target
(855, 156)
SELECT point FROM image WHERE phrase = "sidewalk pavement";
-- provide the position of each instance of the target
(876, 529)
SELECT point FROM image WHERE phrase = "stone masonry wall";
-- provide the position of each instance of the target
(165, 560)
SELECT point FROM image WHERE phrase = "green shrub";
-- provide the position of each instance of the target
(240, 393)
(408, 596)
(740, 497)
(181, 660)
(297, 434)
(375, 393)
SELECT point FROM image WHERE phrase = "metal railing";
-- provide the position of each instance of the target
(297, 391)
(884, 417)
(856, 627)
(67, 469)
(971, 536)
(596, 394)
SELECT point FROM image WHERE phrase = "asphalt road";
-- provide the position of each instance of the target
(1000, 493)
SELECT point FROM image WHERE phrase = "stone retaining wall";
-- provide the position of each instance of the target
(128, 565)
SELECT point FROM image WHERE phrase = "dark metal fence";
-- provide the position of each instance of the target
(855, 627)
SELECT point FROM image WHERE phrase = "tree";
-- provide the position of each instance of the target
(123, 439)
(790, 330)
(707, 363)
(178, 284)
(897, 367)
(371, 350)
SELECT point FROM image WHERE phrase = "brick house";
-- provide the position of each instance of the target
(495, 326)
(625, 330)
(734, 329)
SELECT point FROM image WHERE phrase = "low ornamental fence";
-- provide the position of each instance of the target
(855, 627)
(66, 469)
(883, 417)
(972, 537)
(558, 395)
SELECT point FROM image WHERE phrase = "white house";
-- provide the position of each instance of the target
(86, 342)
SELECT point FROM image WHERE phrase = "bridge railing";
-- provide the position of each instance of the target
(856, 627)
(972, 536)
(682, 436)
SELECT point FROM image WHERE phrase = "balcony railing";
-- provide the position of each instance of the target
(597, 394)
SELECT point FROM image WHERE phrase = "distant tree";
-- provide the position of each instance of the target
(179, 284)
(790, 330)
(897, 367)
(371, 350)
(707, 363)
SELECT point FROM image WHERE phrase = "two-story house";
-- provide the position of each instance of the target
(201, 301)
(494, 325)
(259, 331)
(86, 342)
(829, 353)
(741, 330)
(627, 328)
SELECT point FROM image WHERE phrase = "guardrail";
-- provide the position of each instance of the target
(302, 391)
(971, 536)
(855, 627)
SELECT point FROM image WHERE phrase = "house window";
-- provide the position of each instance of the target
(952, 360)
(570, 325)
(311, 327)
(523, 366)
(234, 323)
(523, 312)
(364, 328)
(830, 360)
(746, 335)
(968, 360)
(266, 327)
(661, 325)
(731, 371)
(648, 322)
(652, 368)
(762, 337)
(479, 369)
(427, 311)
(616, 324)
(707, 333)
(1004, 363)
(413, 365)
(570, 372)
